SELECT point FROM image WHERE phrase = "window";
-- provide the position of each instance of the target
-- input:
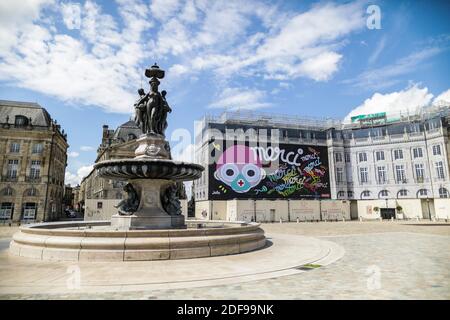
(379, 155)
(29, 210)
(350, 194)
(6, 210)
(365, 193)
(37, 148)
(8, 191)
(35, 169)
(443, 193)
(341, 194)
(32, 192)
(381, 174)
(417, 153)
(403, 193)
(12, 168)
(99, 205)
(339, 175)
(21, 121)
(415, 128)
(440, 170)
(14, 147)
(398, 154)
(422, 192)
(400, 173)
(383, 194)
(338, 157)
(363, 175)
(362, 157)
(437, 150)
(347, 157)
(419, 172)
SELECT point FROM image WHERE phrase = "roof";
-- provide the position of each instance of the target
(124, 130)
(39, 116)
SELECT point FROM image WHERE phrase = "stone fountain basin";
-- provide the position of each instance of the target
(147, 168)
(97, 241)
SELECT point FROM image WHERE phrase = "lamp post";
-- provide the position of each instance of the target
(428, 206)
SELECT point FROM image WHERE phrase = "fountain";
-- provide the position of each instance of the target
(149, 224)
(153, 177)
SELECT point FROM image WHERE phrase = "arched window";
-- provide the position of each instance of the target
(31, 192)
(8, 191)
(350, 194)
(383, 194)
(21, 121)
(402, 193)
(422, 193)
(341, 194)
(131, 136)
(365, 194)
(443, 193)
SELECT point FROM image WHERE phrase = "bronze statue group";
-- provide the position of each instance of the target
(151, 109)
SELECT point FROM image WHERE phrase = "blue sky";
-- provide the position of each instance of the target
(84, 60)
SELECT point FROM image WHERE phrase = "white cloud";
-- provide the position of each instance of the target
(409, 100)
(73, 154)
(87, 148)
(71, 13)
(388, 75)
(98, 69)
(74, 179)
(99, 65)
(17, 17)
(164, 9)
(241, 98)
(443, 98)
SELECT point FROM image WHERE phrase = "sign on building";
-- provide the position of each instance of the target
(286, 171)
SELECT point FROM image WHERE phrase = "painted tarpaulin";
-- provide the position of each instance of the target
(284, 171)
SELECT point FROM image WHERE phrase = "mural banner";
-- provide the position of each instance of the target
(243, 172)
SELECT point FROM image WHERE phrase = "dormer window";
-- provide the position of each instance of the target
(21, 121)
(131, 136)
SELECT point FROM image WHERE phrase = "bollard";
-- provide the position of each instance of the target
(360, 219)
(392, 218)
(343, 219)
(281, 221)
(297, 220)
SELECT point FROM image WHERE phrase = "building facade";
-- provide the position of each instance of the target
(370, 168)
(98, 196)
(33, 160)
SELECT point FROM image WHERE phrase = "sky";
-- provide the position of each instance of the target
(84, 60)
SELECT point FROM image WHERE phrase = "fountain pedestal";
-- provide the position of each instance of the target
(150, 213)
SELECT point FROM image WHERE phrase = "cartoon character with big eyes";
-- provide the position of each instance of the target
(239, 168)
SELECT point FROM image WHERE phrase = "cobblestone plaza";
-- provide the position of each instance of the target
(382, 260)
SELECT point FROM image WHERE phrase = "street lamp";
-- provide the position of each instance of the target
(428, 205)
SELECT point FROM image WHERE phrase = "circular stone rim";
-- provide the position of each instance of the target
(48, 241)
(144, 168)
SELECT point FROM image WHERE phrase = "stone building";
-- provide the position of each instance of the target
(376, 167)
(97, 196)
(33, 160)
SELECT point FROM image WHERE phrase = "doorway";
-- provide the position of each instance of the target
(387, 213)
